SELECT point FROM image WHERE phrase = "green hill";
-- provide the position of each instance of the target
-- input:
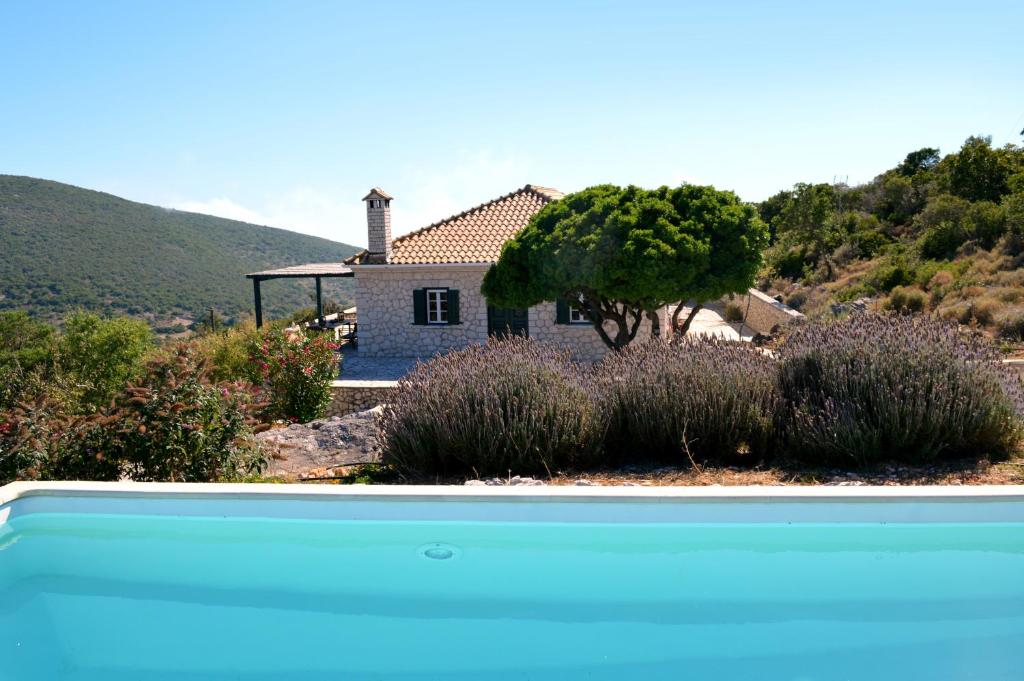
(64, 247)
(936, 234)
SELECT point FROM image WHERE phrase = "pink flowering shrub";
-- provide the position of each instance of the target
(296, 371)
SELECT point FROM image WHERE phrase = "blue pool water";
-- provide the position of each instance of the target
(92, 596)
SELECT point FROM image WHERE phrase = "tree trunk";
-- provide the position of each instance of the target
(681, 330)
(689, 318)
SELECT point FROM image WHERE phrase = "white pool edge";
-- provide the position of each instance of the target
(557, 493)
(615, 505)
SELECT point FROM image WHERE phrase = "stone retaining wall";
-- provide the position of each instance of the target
(348, 397)
(763, 313)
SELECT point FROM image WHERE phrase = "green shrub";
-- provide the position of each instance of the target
(706, 399)
(732, 313)
(986, 222)
(102, 355)
(943, 240)
(25, 342)
(869, 241)
(907, 300)
(872, 388)
(296, 369)
(888, 274)
(786, 262)
(228, 352)
(510, 405)
(173, 426)
(797, 299)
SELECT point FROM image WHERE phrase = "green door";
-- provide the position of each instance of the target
(503, 321)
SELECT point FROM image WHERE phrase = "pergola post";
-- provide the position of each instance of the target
(319, 304)
(316, 271)
(258, 301)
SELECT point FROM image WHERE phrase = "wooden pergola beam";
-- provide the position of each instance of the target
(318, 272)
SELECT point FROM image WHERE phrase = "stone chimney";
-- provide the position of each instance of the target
(378, 226)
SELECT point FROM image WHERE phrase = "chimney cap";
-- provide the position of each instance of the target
(377, 193)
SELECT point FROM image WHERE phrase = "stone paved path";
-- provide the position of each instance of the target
(355, 367)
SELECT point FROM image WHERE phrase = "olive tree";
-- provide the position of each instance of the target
(620, 254)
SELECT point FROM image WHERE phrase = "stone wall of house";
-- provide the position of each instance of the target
(384, 298)
(351, 396)
(386, 328)
(763, 313)
(582, 339)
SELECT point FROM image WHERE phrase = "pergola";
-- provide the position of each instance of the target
(317, 271)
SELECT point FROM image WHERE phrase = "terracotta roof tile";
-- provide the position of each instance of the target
(475, 235)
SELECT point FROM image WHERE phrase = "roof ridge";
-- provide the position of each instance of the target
(434, 225)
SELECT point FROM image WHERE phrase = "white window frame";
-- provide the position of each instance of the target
(437, 305)
(576, 315)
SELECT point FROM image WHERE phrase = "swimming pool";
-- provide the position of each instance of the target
(285, 582)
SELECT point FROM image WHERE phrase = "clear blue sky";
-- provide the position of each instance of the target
(287, 112)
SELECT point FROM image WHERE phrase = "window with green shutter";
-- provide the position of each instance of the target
(567, 314)
(561, 312)
(453, 306)
(435, 306)
(419, 306)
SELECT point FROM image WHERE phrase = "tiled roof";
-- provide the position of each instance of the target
(473, 236)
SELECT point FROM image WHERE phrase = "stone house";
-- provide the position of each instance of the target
(419, 294)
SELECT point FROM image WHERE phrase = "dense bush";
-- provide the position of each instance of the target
(511, 404)
(889, 274)
(297, 370)
(26, 357)
(706, 399)
(904, 299)
(943, 240)
(43, 440)
(173, 426)
(871, 388)
(24, 341)
(102, 355)
(732, 313)
(228, 351)
(176, 425)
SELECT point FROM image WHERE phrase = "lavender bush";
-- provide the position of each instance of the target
(872, 388)
(704, 399)
(510, 405)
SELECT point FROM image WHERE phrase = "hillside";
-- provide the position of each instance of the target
(937, 234)
(65, 247)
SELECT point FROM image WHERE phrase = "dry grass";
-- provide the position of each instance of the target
(967, 472)
(963, 472)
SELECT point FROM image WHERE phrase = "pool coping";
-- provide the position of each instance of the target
(704, 494)
(611, 505)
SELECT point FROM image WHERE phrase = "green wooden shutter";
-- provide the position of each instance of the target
(419, 306)
(561, 312)
(453, 306)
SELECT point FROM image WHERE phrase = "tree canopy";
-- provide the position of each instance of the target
(620, 254)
